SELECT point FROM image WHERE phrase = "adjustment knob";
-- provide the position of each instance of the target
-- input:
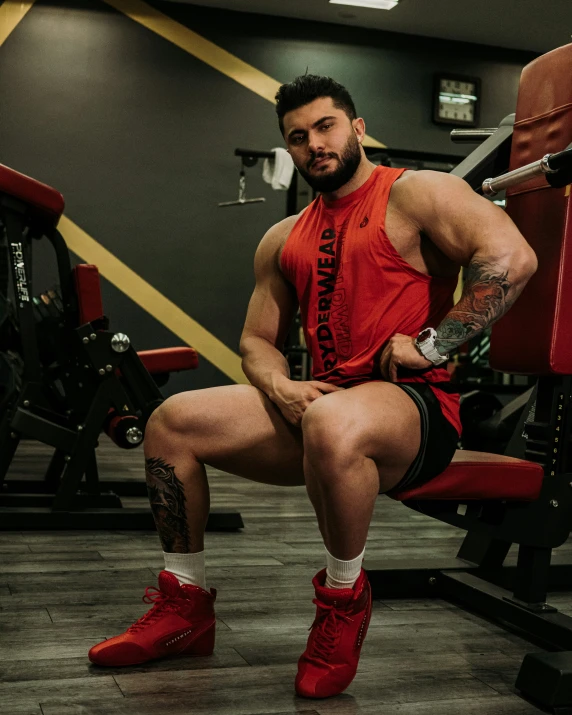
(134, 435)
(120, 342)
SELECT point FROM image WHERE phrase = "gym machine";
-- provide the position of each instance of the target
(498, 499)
(70, 379)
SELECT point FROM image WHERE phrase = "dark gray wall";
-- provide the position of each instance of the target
(139, 137)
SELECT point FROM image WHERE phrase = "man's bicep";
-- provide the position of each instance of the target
(461, 222)
(270, 311)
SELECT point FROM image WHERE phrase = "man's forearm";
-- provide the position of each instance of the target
(491, 287)
(263, 364)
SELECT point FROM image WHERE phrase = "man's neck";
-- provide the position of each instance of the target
(363, 172)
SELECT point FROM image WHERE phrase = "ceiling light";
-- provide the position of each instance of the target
(377, 4)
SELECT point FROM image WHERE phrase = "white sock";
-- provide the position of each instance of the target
(342, 574)
(188, 568)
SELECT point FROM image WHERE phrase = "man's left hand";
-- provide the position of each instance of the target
(400, 351)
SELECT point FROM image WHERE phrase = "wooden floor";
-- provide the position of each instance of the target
(61, 592)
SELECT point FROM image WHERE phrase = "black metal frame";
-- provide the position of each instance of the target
(491, 158)
(66, 403)
(412, 159)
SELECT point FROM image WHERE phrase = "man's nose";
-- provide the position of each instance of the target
(316, 143)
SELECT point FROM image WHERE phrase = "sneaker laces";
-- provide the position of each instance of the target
(162, 604)
(330, 621)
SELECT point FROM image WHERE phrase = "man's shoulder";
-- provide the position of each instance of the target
(427, 180)
(278, 234)
(417, 191)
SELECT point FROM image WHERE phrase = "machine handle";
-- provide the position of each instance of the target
(471, 136)
(549, 164)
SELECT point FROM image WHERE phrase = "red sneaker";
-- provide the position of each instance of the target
(181, 622)
(330, 661)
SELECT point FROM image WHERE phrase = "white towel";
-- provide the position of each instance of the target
(278, 171)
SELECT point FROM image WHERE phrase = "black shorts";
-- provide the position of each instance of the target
(438, 438)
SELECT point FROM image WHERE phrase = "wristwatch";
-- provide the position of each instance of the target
(425, 343)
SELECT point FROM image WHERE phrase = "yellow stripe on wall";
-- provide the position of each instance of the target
(12, 13)
(149, 298)
(206, 51)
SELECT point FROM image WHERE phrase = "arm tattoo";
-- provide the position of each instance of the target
(167, 498)
(484, 300)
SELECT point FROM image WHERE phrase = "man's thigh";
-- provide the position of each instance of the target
(376, 420)
(237, 429)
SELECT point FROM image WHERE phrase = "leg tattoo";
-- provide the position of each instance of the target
(168, 502)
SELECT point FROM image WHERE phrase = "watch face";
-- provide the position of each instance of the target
(424, 335)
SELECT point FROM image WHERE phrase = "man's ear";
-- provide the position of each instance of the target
(359, 129)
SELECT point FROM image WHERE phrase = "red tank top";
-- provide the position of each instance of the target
(355, 290)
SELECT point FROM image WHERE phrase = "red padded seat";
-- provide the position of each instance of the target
(478, 475)
(169, 360)
(46, 203)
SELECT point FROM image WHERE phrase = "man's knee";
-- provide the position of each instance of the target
(330, 435)
(183, 414)
(168, 417)
(203, 411)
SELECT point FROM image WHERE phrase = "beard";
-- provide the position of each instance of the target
(348, 163)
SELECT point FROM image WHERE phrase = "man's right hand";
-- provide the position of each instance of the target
(293, 397)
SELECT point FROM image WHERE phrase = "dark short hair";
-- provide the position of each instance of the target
(306, 89)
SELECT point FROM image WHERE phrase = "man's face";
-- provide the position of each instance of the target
(323, 144)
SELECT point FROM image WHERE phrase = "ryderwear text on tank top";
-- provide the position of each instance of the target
(356, 291)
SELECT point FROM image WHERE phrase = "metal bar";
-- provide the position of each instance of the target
(408, 579)
(33, 426)
(549, 164)
(292, 196)
(531, 584)
(92, 484)
(34, 519)
(490, 158)
(9, 442)
(83, 448)
(254, 153)
(71, 312)
(420, 156)
(54, 471)
(483, 550)
(552, 628)
(470, 136)
(81, 500)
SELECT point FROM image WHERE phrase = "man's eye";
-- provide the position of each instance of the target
(326, 126)
(297, 140)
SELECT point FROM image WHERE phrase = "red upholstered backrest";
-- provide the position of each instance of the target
(535, 336)
(88, 291)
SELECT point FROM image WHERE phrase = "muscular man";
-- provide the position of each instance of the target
(373, 264)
